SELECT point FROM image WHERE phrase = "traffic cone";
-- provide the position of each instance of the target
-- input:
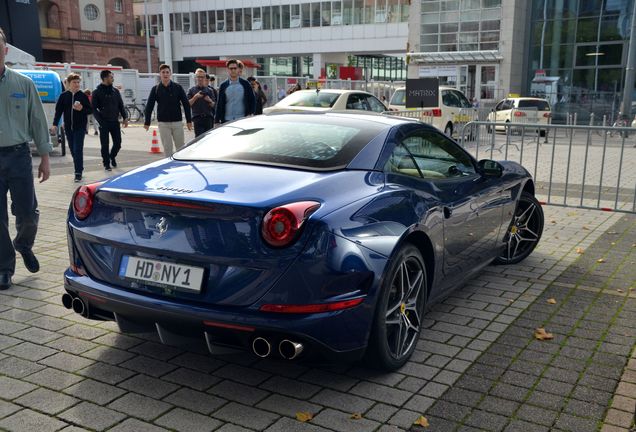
(154, 147)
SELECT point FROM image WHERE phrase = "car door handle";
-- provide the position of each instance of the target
(447, 212)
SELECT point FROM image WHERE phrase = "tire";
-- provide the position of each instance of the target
(128, 113)
(404, 306)
(524, 231)
(448, 130)
(61, 138)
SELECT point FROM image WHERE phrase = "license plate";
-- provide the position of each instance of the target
(161, 273)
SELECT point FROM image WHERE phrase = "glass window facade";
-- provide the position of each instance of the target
(310, 14)
(580, 48)
(460, 25)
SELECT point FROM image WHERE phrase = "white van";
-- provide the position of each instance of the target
(452, 110)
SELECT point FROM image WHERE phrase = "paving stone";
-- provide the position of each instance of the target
(92, 416)
(71, 345)
(140, 406)
(381, 393)
(47, 401)
(624, 403)
(148, 366)
(343, 422)
(419, 371)
(509, 392)
(95, 391)
(287, 406)
(148, 386)
(439, 425)
(66, 362)
(292, 388)
(419, 403)
(238, 392)
(591, 395)
(403, 418)
(7, 408)
(486, 420)
(447, 377)
(585, 409)
(411, 384)
(568, 422)
(537, 415)
(134, 425)
(519, 379)
(342, 401)
(106, 373)
(448, 410)
(246, 416)
(12, 388)
(381, 412)
(30, 351)
(187, 421)
(288, 425)
(53, 378)
(327, 379)
(619, 418)
(109, 355)
(498, 406)
(462, 397)
(17, 367)
(434, 390)
(190, 378)
(83, 331)
(524, 426)
(242, 374)
(554, 387)
(195, 401)
(29, 421)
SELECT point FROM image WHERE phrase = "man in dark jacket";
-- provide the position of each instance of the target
(107, 107)
(169, 95)
(202, 100)
(75, 106)
(236, 97)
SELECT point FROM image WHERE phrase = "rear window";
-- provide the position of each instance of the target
(539, 104)
(314, 99)
(399, 98)
(320, 144)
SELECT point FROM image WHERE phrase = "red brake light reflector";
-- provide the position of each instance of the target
(437, 112)
(312, 308)
(547, 115)
(83, 199)
(520, 114)
(282, 224)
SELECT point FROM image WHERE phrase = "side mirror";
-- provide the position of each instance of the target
(490, 168)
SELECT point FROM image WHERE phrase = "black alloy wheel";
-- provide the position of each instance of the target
(400, 309)
(524, 231)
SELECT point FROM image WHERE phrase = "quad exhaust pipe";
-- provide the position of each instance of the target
(289, 350)
(261, 347)
(75, 303)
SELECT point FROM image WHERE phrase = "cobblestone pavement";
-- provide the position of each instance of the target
(476, 367)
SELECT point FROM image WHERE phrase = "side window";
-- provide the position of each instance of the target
(499, 106)
(447, 98)
(507, 105)
(402, 162)
(356, 102)
(463, 102)
(436, 157)
(375, 104)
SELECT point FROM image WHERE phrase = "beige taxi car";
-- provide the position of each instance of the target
(328, 100)
(527, 110)
(453, 109)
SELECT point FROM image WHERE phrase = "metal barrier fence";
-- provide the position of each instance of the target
(574, 166)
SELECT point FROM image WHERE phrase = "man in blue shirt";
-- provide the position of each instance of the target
(236, 97)
(22, 120)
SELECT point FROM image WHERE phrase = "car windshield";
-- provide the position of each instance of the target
(539, 104)
(399, 97)
(319, 144)
(317, 99)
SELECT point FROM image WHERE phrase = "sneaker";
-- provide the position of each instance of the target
(107, 168)
(113, 162)
(5, 281)
(78, 178)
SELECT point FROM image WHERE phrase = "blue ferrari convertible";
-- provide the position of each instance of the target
(297, 234)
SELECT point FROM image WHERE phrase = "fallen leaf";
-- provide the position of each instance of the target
(585, 228)
(541, 334)
(356, 416)
(304, 416)
(580, 250)
(600, 260)
(612, 232)
(634, 245)
(572, 214)
(421, 421)
(552, 301)
(619, 290)
(553, 221)
(613, 243)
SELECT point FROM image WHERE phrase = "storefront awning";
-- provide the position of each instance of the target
(454, 57)
(221, 63)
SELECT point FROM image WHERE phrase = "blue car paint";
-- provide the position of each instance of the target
(343, 251)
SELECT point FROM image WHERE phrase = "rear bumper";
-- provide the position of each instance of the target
(340, 335)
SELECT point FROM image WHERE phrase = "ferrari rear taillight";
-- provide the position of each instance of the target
(281, 225)
(83, 200)
(437, 112)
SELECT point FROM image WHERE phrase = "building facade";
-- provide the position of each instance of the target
(286, 37)
(92, 32)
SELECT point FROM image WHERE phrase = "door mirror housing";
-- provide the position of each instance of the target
(490, 168)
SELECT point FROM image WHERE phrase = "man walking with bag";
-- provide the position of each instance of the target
(169, 95)
(75, 106)
(202, 101)
(22, 119)
(107, 107)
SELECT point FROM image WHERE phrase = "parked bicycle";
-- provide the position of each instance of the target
(621, 121)
(135, 112)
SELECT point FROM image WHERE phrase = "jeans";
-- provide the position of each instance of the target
(202, 124)
(171, 132)
(105, 128)
(16, 177)
(75, 141)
